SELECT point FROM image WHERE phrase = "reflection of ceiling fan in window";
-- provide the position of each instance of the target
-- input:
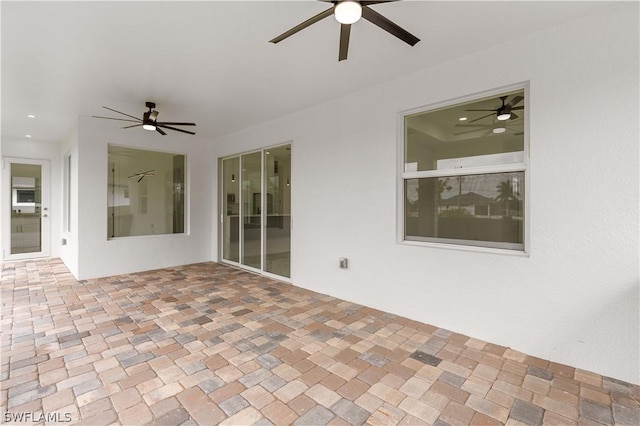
(142, 174)
(504, 111)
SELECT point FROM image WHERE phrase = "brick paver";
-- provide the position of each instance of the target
(209, 344)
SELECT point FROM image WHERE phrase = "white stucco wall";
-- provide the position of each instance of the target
(575, 298)
(98, 256)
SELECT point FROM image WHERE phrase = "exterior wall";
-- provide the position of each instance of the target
(98, 256)
(574, 298)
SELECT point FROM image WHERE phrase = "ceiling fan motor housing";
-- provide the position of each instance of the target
(150, 117)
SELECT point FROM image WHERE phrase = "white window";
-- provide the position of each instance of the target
(464, 175)
(67, 193)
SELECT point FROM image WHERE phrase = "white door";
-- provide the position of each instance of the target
(26, 205)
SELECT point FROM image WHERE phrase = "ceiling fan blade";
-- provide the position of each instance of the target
(162, 132)
(477, 119)
(480, 110)
(473, 125)
(119, 112)
(468, 131)
(162, 123)
(134, 125)
(515, 101)
(520, 107)
(303, 25)
(345, 31)
(390, 27)
(119, 119)
(519, 134)
(141, 177)
(368, 2)
(513, 116)
(173, 128)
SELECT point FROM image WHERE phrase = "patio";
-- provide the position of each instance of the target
(210, 344)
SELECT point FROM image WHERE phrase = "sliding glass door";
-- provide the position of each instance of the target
(256, 210)
(251, 200)
(277, 238)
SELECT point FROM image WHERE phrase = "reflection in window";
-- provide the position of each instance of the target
(145, 192)
(474, 208)
(464, 173)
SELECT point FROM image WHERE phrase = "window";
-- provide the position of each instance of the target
(145, 192)
(67, 193)
(26, 195)
(465, 173)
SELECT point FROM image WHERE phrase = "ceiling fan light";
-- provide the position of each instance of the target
(149, 127)
(348, 12)
(504, 116)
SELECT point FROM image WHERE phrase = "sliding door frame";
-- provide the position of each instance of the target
(263, 213)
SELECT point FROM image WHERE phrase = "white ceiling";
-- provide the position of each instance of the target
(210, 61)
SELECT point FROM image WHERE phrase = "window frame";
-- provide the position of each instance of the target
(524, 167)
(66, 193)
(187, 191)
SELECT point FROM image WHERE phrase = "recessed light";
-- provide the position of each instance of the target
(31, 116)
(499, 130)
(462, 118)
(27, 136)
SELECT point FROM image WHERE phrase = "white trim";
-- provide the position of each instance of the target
(481, 170)
(263, 215)
(465, 247)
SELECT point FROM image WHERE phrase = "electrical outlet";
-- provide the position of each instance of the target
(344, 263)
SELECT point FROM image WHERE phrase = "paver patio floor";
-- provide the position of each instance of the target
(209, 344)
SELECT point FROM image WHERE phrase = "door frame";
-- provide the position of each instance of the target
(45, 199)
(221, 194)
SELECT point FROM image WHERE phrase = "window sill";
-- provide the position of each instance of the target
(460, 247)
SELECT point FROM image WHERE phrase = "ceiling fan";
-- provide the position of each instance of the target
(348, 12)
(149, 121)
(143, 174)
(503, 112)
